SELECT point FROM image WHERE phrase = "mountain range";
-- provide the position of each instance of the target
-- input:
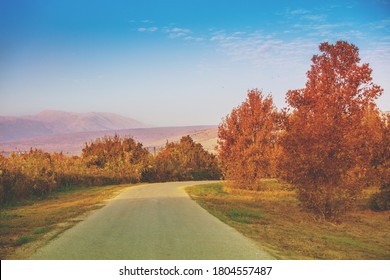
(59, 131)
(53, 122)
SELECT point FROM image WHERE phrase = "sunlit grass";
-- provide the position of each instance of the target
(274, 219)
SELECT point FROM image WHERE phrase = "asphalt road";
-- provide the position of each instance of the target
(153, 221)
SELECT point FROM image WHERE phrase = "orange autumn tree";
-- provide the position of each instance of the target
(185, 160)
(121, 159)
(327, 145)
(247, 142)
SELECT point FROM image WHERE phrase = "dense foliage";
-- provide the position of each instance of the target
(248, 146)
(330, 135)
(123, 160)
(108, 160)
(185, 160)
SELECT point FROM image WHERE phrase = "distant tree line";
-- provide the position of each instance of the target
(107, 160)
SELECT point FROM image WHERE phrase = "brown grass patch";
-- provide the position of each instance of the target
(274, 219)
(24, 228)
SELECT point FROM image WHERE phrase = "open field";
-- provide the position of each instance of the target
(274, 219)
(27, 226)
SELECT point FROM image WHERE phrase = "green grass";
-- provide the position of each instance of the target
(209, 190)
(23, 240)
(246, 216)
(7, 216)
(41, 230)
(273, 219)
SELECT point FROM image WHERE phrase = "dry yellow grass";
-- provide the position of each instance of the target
(274, 219)
(26, 227)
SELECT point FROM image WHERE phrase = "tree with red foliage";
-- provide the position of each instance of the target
(247, 142)
(327, 143)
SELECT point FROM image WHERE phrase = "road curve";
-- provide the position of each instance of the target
(152, 221)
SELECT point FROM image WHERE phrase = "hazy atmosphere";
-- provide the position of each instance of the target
(171, 63)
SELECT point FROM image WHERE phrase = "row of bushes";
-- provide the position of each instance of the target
(108, 160)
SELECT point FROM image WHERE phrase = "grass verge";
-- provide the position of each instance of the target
(274, 220)
(27, 226)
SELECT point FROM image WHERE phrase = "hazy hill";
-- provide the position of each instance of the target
(73, 143)
(58, 131)
(58, 122)
(17, 128)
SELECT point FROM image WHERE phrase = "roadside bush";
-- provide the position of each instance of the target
(108, 160)
(121, 159)
(185, 160)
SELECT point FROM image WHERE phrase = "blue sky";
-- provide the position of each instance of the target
(174, 62)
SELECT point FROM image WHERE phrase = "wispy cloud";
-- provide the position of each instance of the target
(314, 22)
(313, 18)
(380, 25)
(317, 25)
(303, 14)
(378, 53)
(147, 29)
(298, 12)
(330, 31)
(176, 32)
(143, 21)
(196, 39)
(262, 49)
